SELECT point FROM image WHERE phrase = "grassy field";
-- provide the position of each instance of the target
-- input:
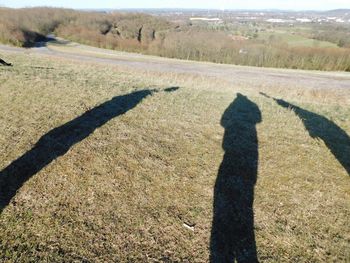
(101, 163)
(295, 40)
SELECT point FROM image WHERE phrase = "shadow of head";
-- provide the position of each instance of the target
(171, 89)
(286, 105)
(241, 112)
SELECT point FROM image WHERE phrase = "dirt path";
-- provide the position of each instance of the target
(235, 74)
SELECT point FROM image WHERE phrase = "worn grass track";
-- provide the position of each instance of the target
(120, 187)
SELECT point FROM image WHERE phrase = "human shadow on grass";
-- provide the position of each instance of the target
(232, 235)
(318, 126)
(59, 140)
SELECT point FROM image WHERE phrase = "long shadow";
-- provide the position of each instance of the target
(318, 126)
(58, 141)
(232, 235)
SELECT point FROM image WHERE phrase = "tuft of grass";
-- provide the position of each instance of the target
(124, 193)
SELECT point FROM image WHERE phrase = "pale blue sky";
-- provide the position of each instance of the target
(217, 4)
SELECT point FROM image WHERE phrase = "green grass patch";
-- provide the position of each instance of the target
(294, 40)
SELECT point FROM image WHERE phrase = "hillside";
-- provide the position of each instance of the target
(24, 27)
(343, 12)
(107, 162)
(316, 47)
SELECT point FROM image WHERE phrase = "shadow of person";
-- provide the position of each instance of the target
(232, 235)
(59, 140)
(336, 139)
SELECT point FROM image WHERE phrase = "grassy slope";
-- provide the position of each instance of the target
(123, 193)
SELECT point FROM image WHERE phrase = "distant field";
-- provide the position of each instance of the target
(127, 165)
(294, 40)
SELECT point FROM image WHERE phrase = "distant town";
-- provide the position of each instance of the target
(341, 16)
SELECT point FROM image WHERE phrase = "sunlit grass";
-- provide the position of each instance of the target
(124, 193)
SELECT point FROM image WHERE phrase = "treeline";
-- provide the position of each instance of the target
(128, 32)
(337, 34)
(214, 47)
(153, 35)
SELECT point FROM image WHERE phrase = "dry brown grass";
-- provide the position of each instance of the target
(124, 193)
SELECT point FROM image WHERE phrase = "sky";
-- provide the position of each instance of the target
(212, 4)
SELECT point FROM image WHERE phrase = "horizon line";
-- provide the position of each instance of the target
(182, 8)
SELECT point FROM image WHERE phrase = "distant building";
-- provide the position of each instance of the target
(304, 20)
(205, 19)
(276, 20)
(339, 20)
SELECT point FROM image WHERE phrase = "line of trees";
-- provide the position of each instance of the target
(153, 35)
(337, 34)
